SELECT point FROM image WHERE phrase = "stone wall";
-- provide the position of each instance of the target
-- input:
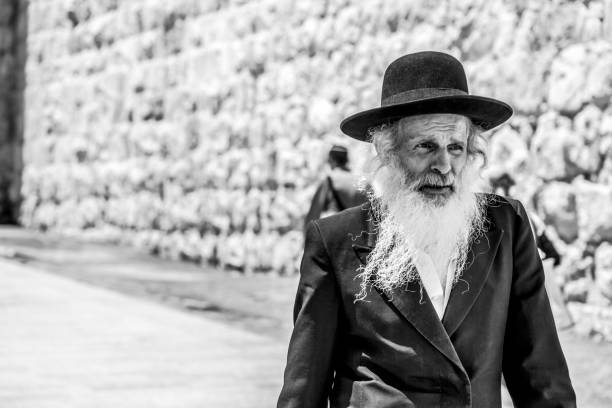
(13, 20)
(197, 129)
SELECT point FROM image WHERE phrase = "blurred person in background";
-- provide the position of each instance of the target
(425, 296)
(502, 183)
(551, 258)
(338, 190)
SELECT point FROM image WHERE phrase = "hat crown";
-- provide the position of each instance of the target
(423, 83)
(416, 75)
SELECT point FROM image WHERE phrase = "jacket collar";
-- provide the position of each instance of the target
(413, 303)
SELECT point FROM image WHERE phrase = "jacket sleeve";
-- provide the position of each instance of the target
(309, 371)
(534, 365)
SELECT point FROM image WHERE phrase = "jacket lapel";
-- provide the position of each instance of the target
(466, 291)
(414, 304)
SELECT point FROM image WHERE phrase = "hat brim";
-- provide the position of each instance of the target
(484, 112)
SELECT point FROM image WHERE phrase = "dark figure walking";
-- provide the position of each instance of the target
(338, 190)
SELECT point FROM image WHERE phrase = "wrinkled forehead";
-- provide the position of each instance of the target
(455, 126)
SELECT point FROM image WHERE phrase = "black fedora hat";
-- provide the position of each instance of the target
(426, 82)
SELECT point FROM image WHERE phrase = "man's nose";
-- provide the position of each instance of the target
(441, 163)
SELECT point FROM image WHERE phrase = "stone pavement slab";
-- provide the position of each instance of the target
(67, 344)
(259, 302)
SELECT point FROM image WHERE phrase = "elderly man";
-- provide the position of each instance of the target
(426, 297)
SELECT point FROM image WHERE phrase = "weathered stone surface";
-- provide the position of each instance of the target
(607, 19)
(592, 321)
(603, 269)
(508, 152)
(594, 211)
(550, 143)
(518, 77)
(566, 77)
(199, 129)
(598, 85)
(577, 290)
(557, 203)
(587, 123)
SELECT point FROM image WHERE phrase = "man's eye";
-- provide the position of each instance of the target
(425, 146)
(455, 148)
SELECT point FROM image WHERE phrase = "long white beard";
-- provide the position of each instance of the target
(409, 222)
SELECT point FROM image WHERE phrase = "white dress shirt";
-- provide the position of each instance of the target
(438, 290)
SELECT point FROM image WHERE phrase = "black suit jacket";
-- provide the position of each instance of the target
(391, 350)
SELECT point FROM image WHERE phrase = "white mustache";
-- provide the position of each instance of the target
(434, 180)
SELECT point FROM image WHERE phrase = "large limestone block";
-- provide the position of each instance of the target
(594, 211)
(557, 204)
(152, 14)
(484, 29)
(181, 245)
(216, 172)
(508, 151)
(287, 251)
(605, 174)
(45, 15)
(208, 249)
(27, 211)
(142, 210)
(104, 29)
(590, 23)
(127, 20)
(515, 76)
(73, 149)
(587, 123)
(45, 187)
(258, 168)
(81, 182)
(560, 151)
(54, 121)
(523, 125)
(44, 217)
(265, 251)
(603, 269)
(84, 213)
(244, 213)
(147, 240)
(558, 23)
(183, 213)
(110, 175)
(580, 74)
(598, 87)
(231, 252)
(239, 165)
(575, 264)
(577, 290)
(322, 116)
(607, 20)
(567, 78)
(592, 321)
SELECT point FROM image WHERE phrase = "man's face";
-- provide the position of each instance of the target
(433, 153)
(426, 199)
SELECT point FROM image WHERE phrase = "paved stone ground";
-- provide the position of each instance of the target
(67, 344)
(261, 303)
